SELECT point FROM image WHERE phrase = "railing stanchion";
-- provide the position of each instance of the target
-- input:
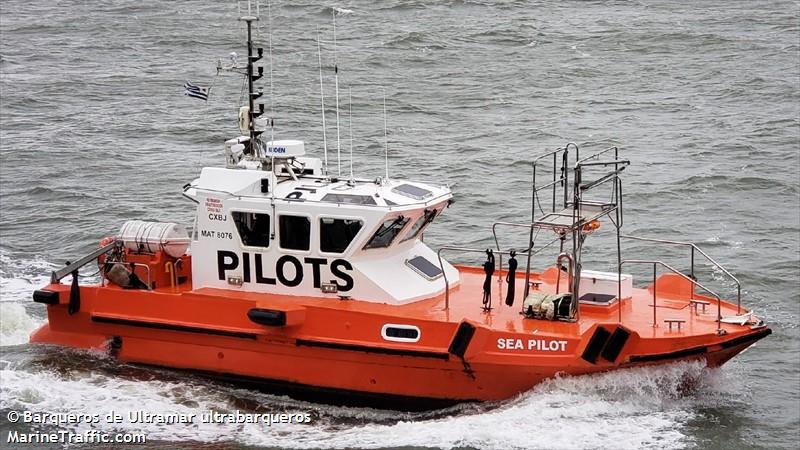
(738, 300)
(655, 324)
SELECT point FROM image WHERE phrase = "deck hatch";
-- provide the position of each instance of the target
(603, 299)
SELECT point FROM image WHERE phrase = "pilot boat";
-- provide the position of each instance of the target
(320, 286)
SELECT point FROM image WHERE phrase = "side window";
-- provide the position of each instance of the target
(387, 232)
(335, 235)
(253, 228)
(295, 232)
(420, 224)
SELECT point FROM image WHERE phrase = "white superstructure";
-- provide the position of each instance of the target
(289, 229)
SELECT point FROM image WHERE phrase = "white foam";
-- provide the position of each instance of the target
(635, 408)
(16, 324)
(342, 11)
(18, 280)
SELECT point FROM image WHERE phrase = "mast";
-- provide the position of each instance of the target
(252, 77)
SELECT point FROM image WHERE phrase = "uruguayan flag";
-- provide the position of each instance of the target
(193, 90)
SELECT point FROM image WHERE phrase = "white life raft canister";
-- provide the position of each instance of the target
(150, 237)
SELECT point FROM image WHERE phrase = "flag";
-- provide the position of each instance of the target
(193, 90)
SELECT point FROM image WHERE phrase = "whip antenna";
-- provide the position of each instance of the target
(350, 117)
(385, 136)
(322, 101)
(336, 75)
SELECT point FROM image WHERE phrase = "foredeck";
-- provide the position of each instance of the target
(673, 302)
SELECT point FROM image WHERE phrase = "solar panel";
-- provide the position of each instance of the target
(409, 190)
(424, 267)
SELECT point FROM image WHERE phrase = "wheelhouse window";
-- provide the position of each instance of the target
(387, 232)
(295, 232)
(420, 224)
(253, 228)
(349, 199)
(335, 235)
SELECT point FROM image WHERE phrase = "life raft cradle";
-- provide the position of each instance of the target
(100, 255)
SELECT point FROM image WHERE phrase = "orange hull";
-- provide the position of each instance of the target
(332, 346)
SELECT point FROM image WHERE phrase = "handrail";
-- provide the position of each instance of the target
(602, 180)
(545, 155)
(597, 154)
(570, 268)
(677, 272)
(519, 225)
(627, 162)
(57, 275)
(708, 258)
(261, 197)
(554, 182)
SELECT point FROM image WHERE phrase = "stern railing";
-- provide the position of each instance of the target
(657, 263)
(695, 249)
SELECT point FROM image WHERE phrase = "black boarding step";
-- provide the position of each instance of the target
(605, 344)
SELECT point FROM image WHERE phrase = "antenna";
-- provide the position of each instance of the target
(271, 95)
(385, 136)
(350, 117)
(251, 78)
(322, 100)
(336, 75)
(258, 14)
